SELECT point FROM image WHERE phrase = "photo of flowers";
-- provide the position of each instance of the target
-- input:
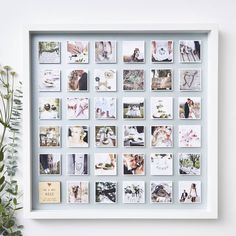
(189, 136)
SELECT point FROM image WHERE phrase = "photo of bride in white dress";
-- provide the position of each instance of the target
(133, 108)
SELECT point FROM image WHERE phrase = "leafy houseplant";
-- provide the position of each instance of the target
(10, 120)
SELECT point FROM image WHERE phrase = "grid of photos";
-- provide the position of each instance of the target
(123, 124)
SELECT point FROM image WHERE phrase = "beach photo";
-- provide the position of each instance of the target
(105, 108)
(133, 80)
(133, 164)
(133, 136)
(50, 164)
(190, 51)
(49, 52)
(190, 191)
(77, 108)
(133, 107)
(77, 164)
(162, 51)
(106, 192)
(161, 192)
(77, 52)
(161, 79)
(77, 80)
(49, 108)
(133, 51)
(161, 108)
(50, 80)
(161, 164)
(190, 79)
(105, 51)
(189, 164)
(77, 192)
(189, 135)
(133, 192)
(162, 136)
(49, 136)
(77, 136)
(190, 108)
(105, 80)
(105, 136)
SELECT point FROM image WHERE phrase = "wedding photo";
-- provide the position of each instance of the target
(133, 164)
(190, 79)
(105, 164)
(133, 136)
(162, 51)
(77, 80)
(189, 164)
(77, 136)
(77, 52)
(133, 80)
(133, 107)
(106, 192)
(190, 191)
(49, 108)
(50, 80)
(105, 51)
(77, 164)
(161, 80)
(77, 108)
(105, 136)
(105, 108)
(49, 136)
(105, 80)
(50, 164)
(77, 192)
(161, 108)
(190, 108)
(133, 51)
(190, 51)
(161, 192)
(49, 52)
(161, 164)
(133, 192)
(162, 136)
(189, 136)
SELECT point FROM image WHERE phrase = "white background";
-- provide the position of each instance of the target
(14, 14)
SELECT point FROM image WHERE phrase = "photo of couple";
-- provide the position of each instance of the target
(190, 108)
(190, 192)
(133, 164)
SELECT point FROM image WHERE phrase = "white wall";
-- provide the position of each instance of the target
(15, 13)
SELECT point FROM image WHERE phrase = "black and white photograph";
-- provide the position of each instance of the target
(105, 164)
(190, 192)
(133, 80)
(105, 80)
(105, 136)
(190, 79)
(133, 51)
(161, 79)
(161, 192)
(162, 136)
(77, 136)
(49, 108)
(77, 192)
(133, 192)
(105, 108)
(161, 108)
(50, 164)
(77, 80)
(49, 136)
(189, 135)
(190, 108)
(189, 164)
(161, 164)
(162, 51)
(133, 136)
(49, 52)
(133, 164)
(133, 107)
(77, 52)
(190, 51)
(78, 108)
(106, 192)
(105, 51)
(77, 164)
(50, 80)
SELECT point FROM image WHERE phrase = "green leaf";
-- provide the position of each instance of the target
(2, 168)
(2, 179)
(15, 201)
(1, 155)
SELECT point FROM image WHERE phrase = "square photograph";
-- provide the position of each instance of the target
(190, 79)
(77, 164)
(78, 108)
(50, 80)
(49, 108)
(133, 136)
(161, 192)
(105, 164)
(49, 52)
(190, 191)
(105, 136)
(49, 192)
(77, 52)
(162, 136)
(190, 51)
(190, 108)
(189, 136)
(133, 192)
(133, 51)
(106, 192)
(161, 108)
(189, 164)
(105, 80)
(77, 136)
(161, 164)
(50, 164)
(133, 80)
(49, 136)
(161, 79)
(133, 107)
(105, 108)
(162, 51)
(77, 192)
(133, 164)
(77, 80)
(105, 51)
